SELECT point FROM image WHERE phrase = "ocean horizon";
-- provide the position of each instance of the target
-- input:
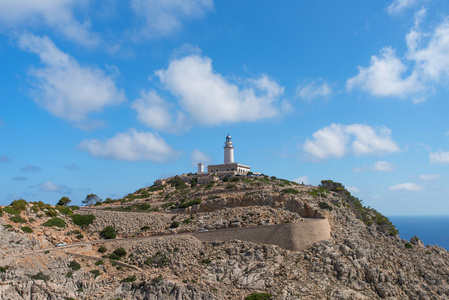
(433, 230)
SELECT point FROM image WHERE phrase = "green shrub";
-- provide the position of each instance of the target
(175, 224)
(65, 210)
(120, 252)
(206, 261)
(259, 296)
(99, 262)
(1, 211)
(69, 274)
(51, 213)
(83, 221)
(35, 208)
(64, 201)
(168, 204)
(19, 204)
(95, 272)
(290, 191)
(12, 211)
(79, 236)
(190, 203)
(108, 233)
(177, 183)
(102, 249)
(159, 260)
(129, 279)
(187, 221)
(324, 205)
(114, 256)
(17, 219)
(75, 266)
(3, 269)
(74, 207)
(145, 228)
(57, 222)
(155, 188)
(40, 276)
(27, 229)
(408, 246)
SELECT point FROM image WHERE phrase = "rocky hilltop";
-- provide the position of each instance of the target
(175, 241)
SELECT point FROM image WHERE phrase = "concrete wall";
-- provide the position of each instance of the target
(291, 236)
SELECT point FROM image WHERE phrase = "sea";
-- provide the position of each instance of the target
(433, 230)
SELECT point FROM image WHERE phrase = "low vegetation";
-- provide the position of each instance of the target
(108, 233)
(83, 221)
(259, 296)
(159, 260)
(367, 214)
(27, 229)
(55, 222)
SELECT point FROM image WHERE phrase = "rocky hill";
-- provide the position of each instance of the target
(148, 245)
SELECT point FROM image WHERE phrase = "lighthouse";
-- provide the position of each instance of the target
(228, 151)
(230, 167)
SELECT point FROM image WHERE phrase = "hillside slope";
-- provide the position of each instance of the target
(158, 252)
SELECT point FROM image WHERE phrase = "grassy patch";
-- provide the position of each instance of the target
(55, 222)
(83, 221)
(17, 219)
(27, 229)
(290, 191)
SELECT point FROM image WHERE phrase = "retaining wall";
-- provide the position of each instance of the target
(291, 236)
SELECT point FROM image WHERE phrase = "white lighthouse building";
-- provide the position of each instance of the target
(229, 167)
(228, 151)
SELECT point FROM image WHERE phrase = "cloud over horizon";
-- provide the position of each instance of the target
(57, 14)
(405, 187)
(161, 17)
(207, 98)
(64, 87)
(337, 140)
(132, 145)
(414, 75)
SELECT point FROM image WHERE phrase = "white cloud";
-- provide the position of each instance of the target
(361, 169)
(385, 77)
(162, 17)
(425, 64)
(383, 166)
(353, 189)
(430, 177)
(66, 89)
(57, 14)
(208, 98)
(398, 6)
(432, 58)
(314, 90)
(52, 187)
(439, 157)
(198, 156)
(303, 179)
(405, 187)
(337, 140)
(131, 146)
(155, 112)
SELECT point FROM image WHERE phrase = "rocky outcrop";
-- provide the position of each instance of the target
(358, 260)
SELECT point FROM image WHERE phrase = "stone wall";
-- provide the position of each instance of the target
(291, 236)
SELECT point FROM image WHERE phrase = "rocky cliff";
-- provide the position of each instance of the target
(157, 256)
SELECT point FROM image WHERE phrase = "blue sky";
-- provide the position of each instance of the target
(105, 97)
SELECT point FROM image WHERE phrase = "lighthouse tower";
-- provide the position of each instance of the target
(228, 151)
